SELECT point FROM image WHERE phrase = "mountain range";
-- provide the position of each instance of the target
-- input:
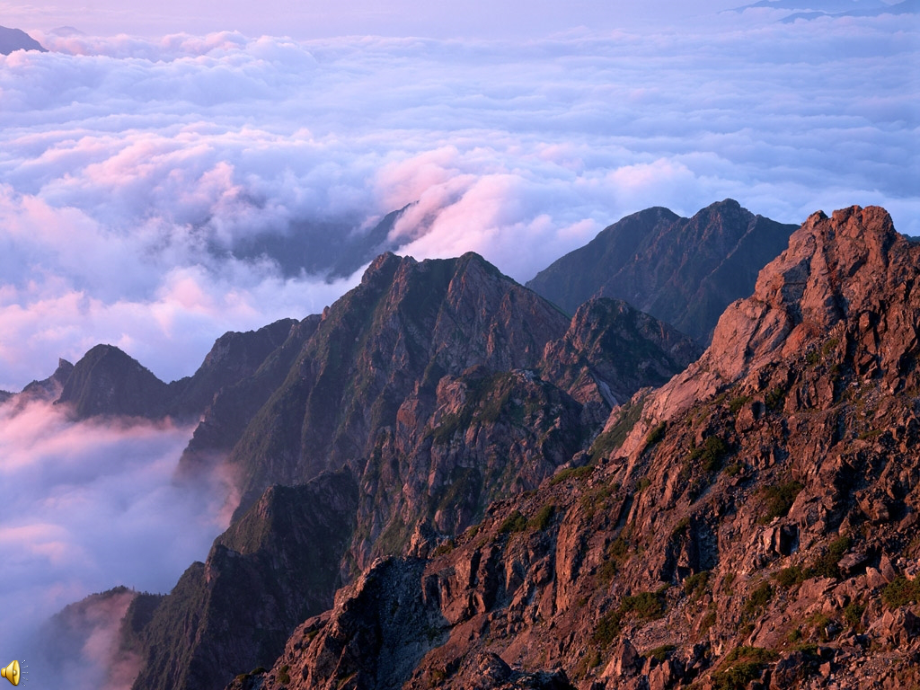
(684, 271)
(814, 9)
(449, 481)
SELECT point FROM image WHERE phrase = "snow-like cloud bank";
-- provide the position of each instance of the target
(134, 173)
(86, 507)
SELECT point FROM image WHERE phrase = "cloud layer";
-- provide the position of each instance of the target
(134, 171)
(90, 506)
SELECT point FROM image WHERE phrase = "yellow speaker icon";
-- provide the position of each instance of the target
(11, 672)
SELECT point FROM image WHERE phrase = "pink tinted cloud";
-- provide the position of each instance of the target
(94, 506)
(131, 168)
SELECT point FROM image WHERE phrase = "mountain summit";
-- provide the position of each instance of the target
(420, 397)
(15, 39)
(684, 271)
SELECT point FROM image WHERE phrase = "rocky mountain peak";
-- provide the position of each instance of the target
(830, 263)
(835, 269)
(48, 389)
(382, 268)
(107, 381)
(406, 325)
(611, 350)
(684, 271)
(843, 289)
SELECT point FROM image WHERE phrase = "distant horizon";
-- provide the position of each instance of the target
(464, 20)
(468, 19)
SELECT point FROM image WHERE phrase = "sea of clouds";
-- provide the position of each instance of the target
(132, 170)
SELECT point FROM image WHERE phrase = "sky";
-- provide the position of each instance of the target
(145, 152)
(301, 19)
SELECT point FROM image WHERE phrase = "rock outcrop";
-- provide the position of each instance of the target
(272, 569)
(611, 350)
(684, 271)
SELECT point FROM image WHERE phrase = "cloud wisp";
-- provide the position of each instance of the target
(89, 506)
(135, 173)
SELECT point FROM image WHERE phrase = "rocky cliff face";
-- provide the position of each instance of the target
(267, 573)
(47, 390)
(684, 271)
(234, 404)
(750, 524)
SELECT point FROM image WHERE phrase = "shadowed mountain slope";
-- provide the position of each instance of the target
(15, 39)
(404, 327)
(684, 271)
(108, 382)
(264, 575)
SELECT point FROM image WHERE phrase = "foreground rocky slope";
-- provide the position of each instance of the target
(750, 524)
(684, 271)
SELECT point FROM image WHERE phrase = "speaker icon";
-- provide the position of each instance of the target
(12, 672)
